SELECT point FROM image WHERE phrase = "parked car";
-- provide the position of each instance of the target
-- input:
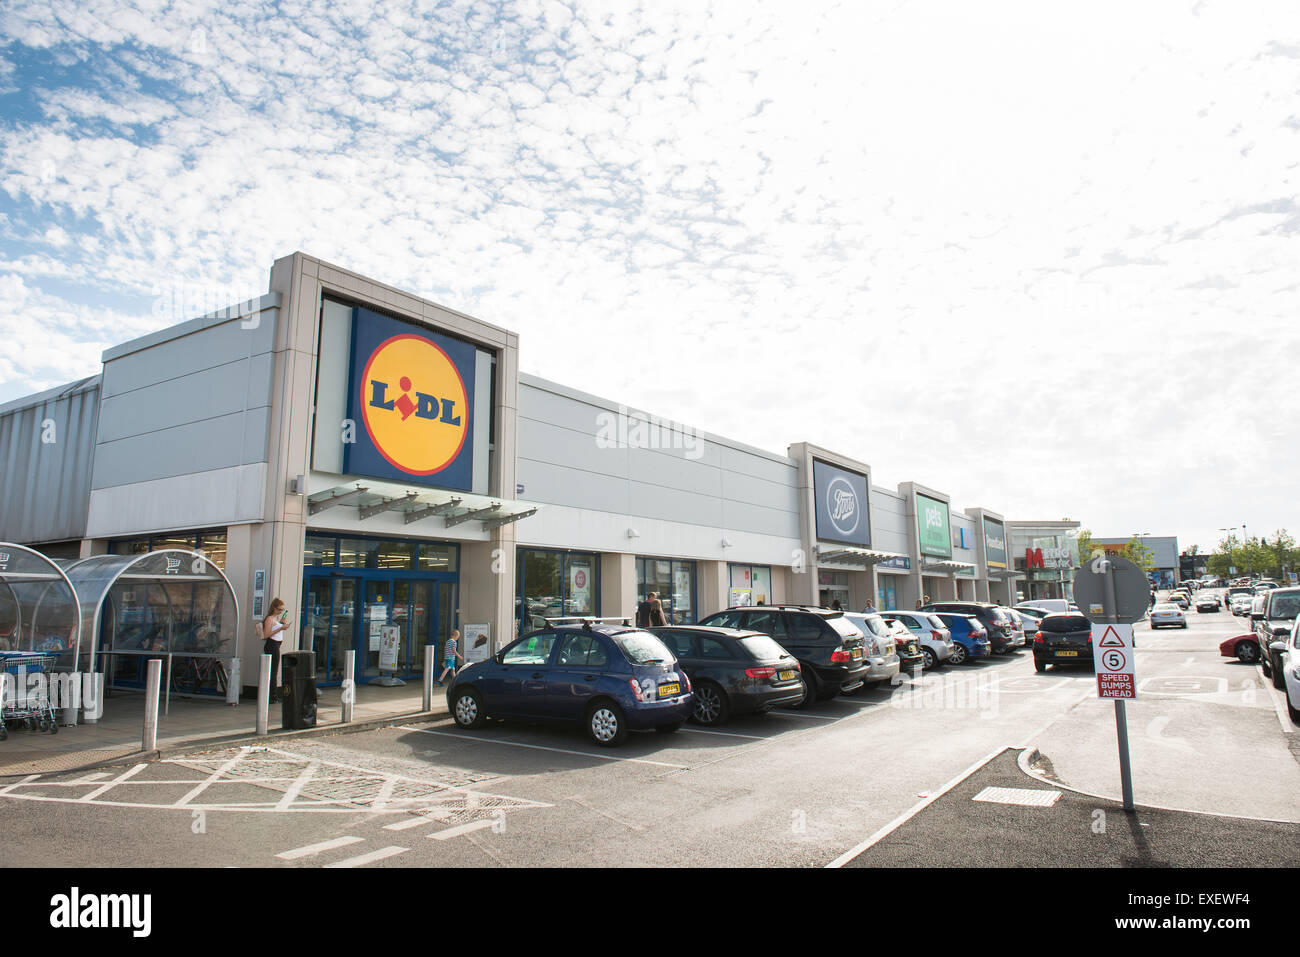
(609, 679)
(1274, 613)
(733, 672)
(1063, 638)
(908, 648)
(1236, 590)
(1177, 598)
(1166, 614)
(1289, 661)
(969, 638)
(830, 649)
(1207, 602)
(995, 621)
(1030, 617)
(1047, 605)
(1240, 605)
(879, 647)
(1019, 638)
(1243, 647)
(929, 630)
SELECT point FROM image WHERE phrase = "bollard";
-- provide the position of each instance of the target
(232, 682)
(430, 662)
(263, 694)
(152, 683)
(349, 685)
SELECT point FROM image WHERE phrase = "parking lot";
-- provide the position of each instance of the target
(789, 788)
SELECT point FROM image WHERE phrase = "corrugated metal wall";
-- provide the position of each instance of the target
(46, 448)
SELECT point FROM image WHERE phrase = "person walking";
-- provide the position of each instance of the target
(450, 655)
(657, 617)
(870, 609)
(643, 610)
(274, 625)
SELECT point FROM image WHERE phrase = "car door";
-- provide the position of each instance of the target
(519, 683)
(685, 648)
(571, 680)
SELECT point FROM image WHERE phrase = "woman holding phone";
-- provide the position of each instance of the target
(274, 626)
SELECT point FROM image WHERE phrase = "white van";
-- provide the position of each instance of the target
(1047, 605)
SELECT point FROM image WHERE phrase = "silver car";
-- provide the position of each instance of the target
(930, 631)
(1166, 613)
(878, 650)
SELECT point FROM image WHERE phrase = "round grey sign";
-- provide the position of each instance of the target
(1131, 590)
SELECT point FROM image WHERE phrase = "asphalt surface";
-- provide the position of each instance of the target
(1074, 831)
(791, 788)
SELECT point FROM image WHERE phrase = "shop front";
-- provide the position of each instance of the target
(354, 588)
(673, 580)
(749, 585)
(554, 583)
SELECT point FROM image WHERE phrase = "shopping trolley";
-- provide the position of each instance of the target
(21, 698)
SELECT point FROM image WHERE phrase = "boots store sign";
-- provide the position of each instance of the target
(841, 498)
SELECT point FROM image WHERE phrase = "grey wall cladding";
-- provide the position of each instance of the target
(196, 402)
(45, 486)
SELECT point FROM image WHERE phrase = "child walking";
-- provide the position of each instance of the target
(450, 655)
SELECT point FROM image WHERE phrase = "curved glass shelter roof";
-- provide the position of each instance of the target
(171, 601)
(39, 610)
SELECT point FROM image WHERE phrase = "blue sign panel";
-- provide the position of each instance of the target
(841, 499)
(410, 402)
(904, 563)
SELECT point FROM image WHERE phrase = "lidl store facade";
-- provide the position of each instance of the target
(378, 462)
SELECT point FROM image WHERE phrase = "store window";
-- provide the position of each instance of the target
(833, 587)
(555, 584)
(750, 585)
(212, 542)
(886, 593)
(674, 582)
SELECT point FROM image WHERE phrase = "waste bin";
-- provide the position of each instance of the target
(298, 697)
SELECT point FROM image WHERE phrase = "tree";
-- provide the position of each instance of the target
(1139, 554)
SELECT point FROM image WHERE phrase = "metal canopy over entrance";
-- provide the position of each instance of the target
(171, 604)
(851, 556)
(39, 610)
(947, 567)
(372, 498)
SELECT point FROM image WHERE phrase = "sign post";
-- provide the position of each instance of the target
(1113, 593)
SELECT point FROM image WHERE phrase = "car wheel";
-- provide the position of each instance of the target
(468, 710)
(710, 704)
(1247, 652)
(1278, 681)
(1040, 666)
(958, 656)
(606, 725)
(929, 660)
(669, 728)
(810, 691)
(1292, 710)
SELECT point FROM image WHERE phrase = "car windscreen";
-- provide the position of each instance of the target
(763, 648)
(1065, 623)
(1284, 606)
(643, 648)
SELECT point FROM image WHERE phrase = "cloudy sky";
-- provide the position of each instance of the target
(1040, 256)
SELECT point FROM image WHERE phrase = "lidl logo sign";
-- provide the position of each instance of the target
(414, 404)
(411, 400)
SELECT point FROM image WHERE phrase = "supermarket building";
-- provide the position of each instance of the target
(378, 462)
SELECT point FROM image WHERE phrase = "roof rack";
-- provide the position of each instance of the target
(587, 620)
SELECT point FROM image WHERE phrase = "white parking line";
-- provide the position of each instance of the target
(460, 829)
(370, 858)
(27, 780)
(211, 779)
(412, 822)
(542, 747)
(727, 734)
(313, 849)
(299, 783)
(911, 812)
(113, 783)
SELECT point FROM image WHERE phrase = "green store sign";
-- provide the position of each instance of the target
(932, 529)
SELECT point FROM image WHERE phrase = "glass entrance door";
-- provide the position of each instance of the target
(378, 613)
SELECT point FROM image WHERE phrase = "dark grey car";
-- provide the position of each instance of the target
(733, 671)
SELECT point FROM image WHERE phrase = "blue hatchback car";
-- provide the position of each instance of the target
(609, 679)
(970, 640)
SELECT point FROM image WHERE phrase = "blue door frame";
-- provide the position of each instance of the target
(411, 664)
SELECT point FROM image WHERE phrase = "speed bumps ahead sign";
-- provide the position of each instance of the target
(1112, 654)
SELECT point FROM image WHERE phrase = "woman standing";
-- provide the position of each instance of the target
(657, 617)
(274, 626)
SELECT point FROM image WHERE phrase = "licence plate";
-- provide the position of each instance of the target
(667, 691)
(1067, 654)
(785, 675)
(857, 653)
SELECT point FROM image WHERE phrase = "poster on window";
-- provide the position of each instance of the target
(579, 590)
(740, 598)
(681, 593)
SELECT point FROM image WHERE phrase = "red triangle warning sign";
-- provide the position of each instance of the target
(1110, 639)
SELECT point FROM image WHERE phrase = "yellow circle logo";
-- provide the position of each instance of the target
(414, 404)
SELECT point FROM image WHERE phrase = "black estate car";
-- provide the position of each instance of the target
(1064, 638)
(830, 649)
(733, 672)
(995, 621)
